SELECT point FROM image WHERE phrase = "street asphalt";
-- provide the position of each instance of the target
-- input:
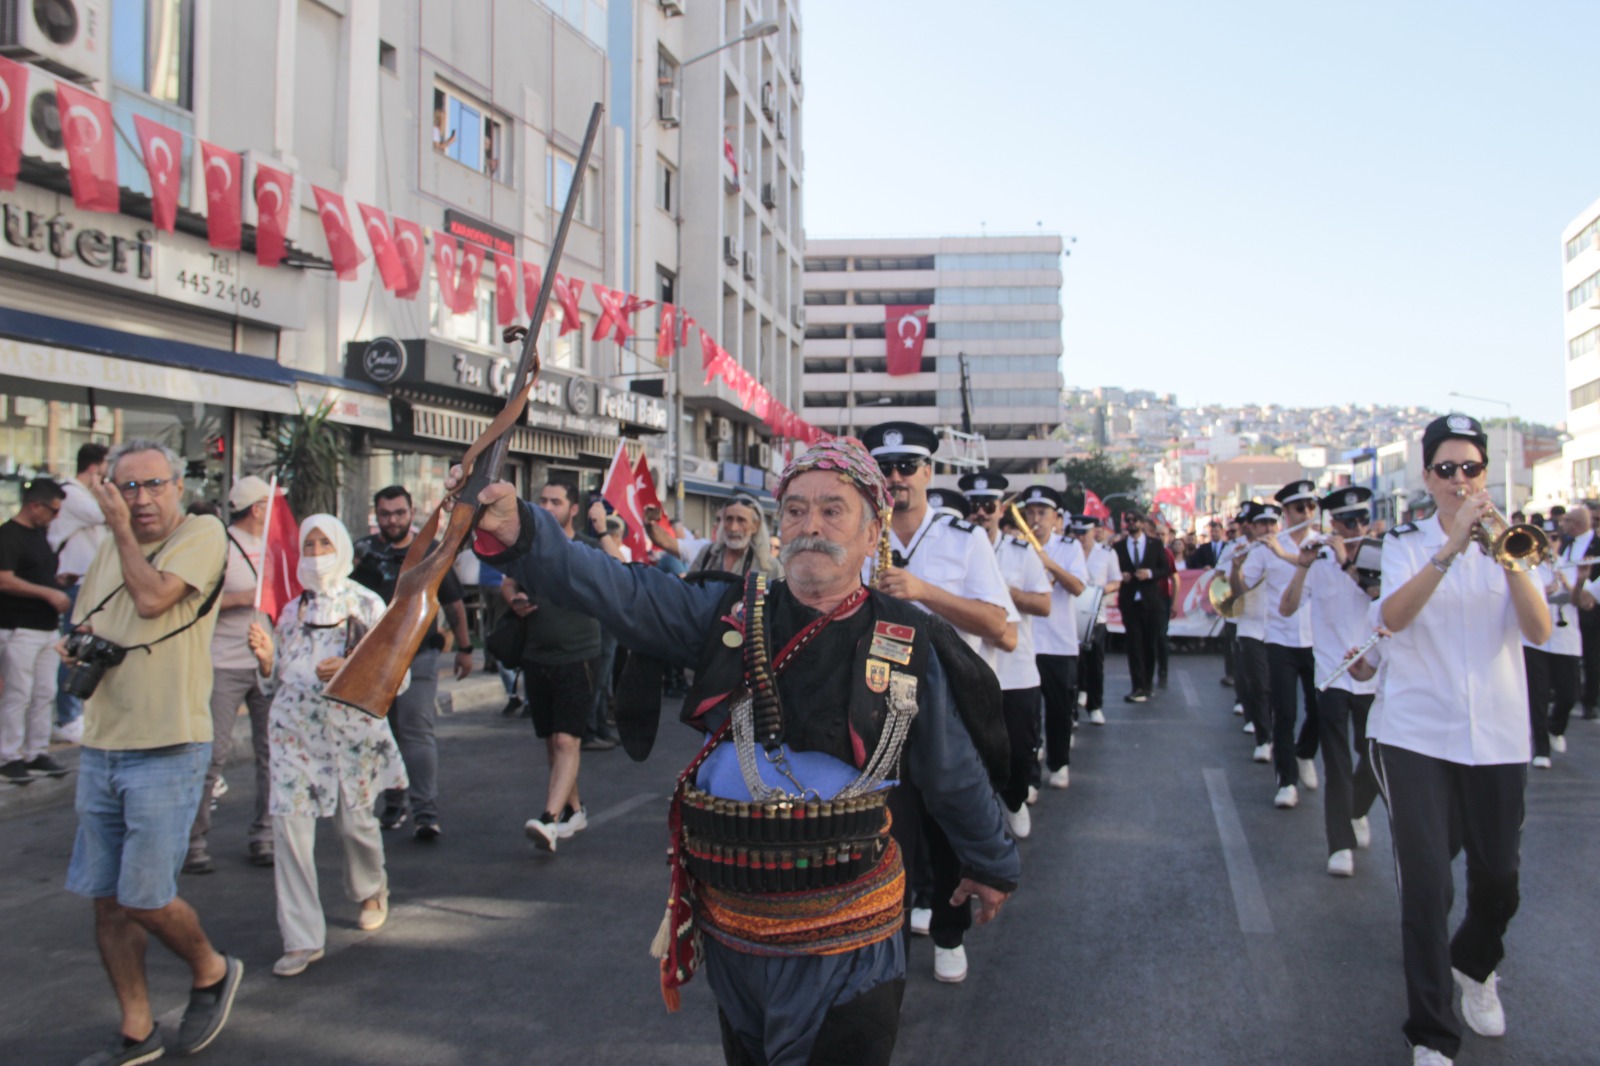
(1168, 914)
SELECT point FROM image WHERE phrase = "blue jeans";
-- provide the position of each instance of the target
(134, 813)
(69, 708)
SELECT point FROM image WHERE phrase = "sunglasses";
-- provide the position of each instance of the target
(904, 467)
(1470, 470)
(986, 506)
(1353, 518)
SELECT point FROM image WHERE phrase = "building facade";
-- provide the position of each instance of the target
(1580, 285)
(994, 320)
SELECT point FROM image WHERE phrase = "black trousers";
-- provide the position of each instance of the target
(1020, 708)
(1058, 681)
(857, 1032)
(1252, 679)
(1350, 790)
(1092, 668)
(1437, 808)
(922, 841)
(1550, 677)
(1141, 622)
(1230, 635)
(1589, 627)
(1163, 644)
(1291, 667)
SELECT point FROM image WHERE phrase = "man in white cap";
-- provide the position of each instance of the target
(234, 676)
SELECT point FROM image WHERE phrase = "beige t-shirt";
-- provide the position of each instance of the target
(230, 645)
(161, 697)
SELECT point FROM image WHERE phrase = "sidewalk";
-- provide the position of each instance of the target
(478, 691)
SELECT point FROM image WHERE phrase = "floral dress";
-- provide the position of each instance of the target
(320, 749)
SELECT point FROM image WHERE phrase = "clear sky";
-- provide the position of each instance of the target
(1273, 202)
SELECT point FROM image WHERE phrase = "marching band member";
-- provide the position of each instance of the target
(1327, 579)
(1055, 638)
(1554, 666)
(1252, 676)
(1106, 575)
(1451, 739)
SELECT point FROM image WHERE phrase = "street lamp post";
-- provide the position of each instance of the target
(1509, 423)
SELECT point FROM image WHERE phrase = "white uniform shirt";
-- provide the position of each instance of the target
(1021, 569)
(1252, 621)
(958, 558)
(1058, 633)
(1453, 683)
(1103, 570)
(1564, 639)
(1295, 630)
(1339, 612)
(1225, 553)
(75, 534)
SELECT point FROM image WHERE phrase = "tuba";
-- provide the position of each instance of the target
(1221, 597)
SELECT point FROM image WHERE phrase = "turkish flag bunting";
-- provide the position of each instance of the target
(13, 120)
(408, 241)
(163, 152)
(505, 289)
(274, 193)
(445, 253)
(567, 290)
(224, 203)
(532, 279)
(644, 487)
(280, 557)
(667, 333)
(1179, 496)
(342, 247)
(906, 327)
(711, 356)
(620, 492)
(616, 307)
(760, 401)
(1092, 507)
(467, 280)
(89, 134)
(390, 269)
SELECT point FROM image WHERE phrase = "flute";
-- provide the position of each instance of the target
(1349, 660)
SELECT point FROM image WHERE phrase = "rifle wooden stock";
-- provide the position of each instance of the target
(371, 675)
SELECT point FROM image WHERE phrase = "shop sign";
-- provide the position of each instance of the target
(464, 226)
(44, 230)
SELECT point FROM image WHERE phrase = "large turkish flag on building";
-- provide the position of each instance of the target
(224, 203)
(13, 119)
(408, 242)
(89, 133)
(274, 194)
(620, 492)
(342, 248)
(163, 153)
(905, 326)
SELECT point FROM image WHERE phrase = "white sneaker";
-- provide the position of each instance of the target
(1072, 740)
(950, 965)
(1060, 778)
(921, 918)
(1308, 773)
(219, 789)
(1480, 1004)
(1098, 717)
(1033, 795)
(1426, 1056)
(72, 733)
(543, 834)
(1342, 863)
(1083, 698)
(1541, 762)
(1288, 796)
(1263, 753)
(1238, 708)
(1558, 744)
(1249, 727)
(576, 823)
(1020, 821)
(1363, 830)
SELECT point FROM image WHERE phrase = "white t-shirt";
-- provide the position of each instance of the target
(1339, 612)
(1564, 639)
(1295, 630)
(1021, 569)
(1057, 634)
(1252, 621)
(77, 531)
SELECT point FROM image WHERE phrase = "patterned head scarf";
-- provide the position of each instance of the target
(850, 458)
(343, 553)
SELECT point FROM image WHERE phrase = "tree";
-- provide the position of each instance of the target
(310, 454)
(1104, 478)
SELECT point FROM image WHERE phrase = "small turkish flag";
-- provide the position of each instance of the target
(906, 327)
(163, 152)
(644, 487)
(384, 253)
(445, 254)
(223, 170)
(13, 120)
(667, 333)
(1092, 507)
(274, 193)
(408, 241)
(342, 247)
(505, 289)
(89, 133)
(567, 290)
(280, 557)
(467, 279)
(620, 492)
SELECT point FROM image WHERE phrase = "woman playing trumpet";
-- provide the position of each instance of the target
(1451, 744)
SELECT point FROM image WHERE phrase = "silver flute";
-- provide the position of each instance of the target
(1350, 660)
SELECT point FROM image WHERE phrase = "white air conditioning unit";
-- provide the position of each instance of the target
(797, 314)
(769, 198)
(730, 251)
(750, 266)
(70, 37)
(769, 99)
(669, 106)
(41, 134)
(672, 8)
(783, 126)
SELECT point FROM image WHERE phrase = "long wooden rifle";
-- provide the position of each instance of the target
(371, 676)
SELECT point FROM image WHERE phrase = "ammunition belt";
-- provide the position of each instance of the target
(733, 868)
(786, 823)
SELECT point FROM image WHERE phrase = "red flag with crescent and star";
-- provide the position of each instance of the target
(224, 198)
(13, 120)
(445, 254)
(505, 289)
(467, 280)
(280, 556)
(336, 227)
(163, 149)
(644, 487)
(906, 327)
(1093, 508)
(667, 333)
(532, 279)
(274, 193)
(384, 253)
(567, 290)
(1181, 496)
(408, 241)
(89, 134)
(620, 492)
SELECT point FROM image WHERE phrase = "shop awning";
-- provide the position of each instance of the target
(724, 491)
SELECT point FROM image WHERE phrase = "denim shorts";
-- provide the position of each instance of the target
(135, 809)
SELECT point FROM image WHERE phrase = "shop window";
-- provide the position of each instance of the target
(469, 133)
(475, 327)
(152, 48)
(559, 169)
(568, 351)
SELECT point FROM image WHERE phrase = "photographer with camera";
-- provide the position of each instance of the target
(140, 658)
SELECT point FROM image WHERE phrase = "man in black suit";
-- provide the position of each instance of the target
(1209, 554)
(1144, 564)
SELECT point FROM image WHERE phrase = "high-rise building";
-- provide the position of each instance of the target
(1580, 282)
(990, 358)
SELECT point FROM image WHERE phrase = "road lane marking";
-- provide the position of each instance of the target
(629, 804)
(1190, 697)
(1249, 901)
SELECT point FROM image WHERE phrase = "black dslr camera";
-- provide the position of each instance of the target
(94, 656)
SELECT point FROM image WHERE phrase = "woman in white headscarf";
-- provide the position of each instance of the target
(327, 760)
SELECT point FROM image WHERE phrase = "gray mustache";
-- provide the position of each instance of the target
(810, 544)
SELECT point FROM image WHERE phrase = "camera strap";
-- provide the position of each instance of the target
(205, 608)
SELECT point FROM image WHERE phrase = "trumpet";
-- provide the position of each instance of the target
(1518, 548)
